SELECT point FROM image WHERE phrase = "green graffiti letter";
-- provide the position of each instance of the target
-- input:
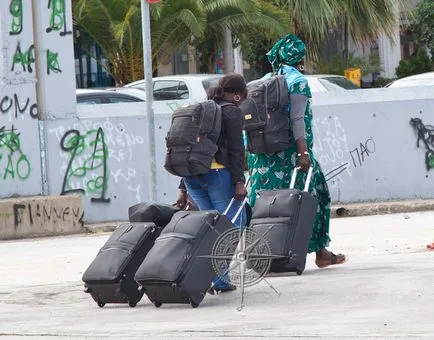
(23, 168)
(9, 168)
(53, 62)
(16, 9)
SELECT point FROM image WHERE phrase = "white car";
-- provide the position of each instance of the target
(171, 92)
(423, 79)
(329, 83)
(178, 90)
(109, 96)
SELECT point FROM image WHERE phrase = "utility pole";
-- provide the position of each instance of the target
(147, 62)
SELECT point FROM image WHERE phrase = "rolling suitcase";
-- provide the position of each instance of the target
(159, 213)
(284, 218)
(178, 268)
(110, 276)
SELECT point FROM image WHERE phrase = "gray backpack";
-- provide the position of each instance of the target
(266, 117)
(192, 139)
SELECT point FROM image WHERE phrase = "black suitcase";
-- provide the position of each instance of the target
(285, 219)
(159, 213)
(174, 271)
(110, 276)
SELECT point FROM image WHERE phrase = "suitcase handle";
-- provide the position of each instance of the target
(239, 210)
(308, 179)
(241, 207)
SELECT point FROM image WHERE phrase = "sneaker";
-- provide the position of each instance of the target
(215, 291)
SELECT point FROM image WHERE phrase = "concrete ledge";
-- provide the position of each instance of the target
(104, 227)
(40, 216)
(337, 211)
(381, 208)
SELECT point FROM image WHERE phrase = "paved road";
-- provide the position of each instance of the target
(385, 291)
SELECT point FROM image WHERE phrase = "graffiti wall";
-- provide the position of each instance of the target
(376, 145)
(20, 172)
(372, 145)
(103, 160)
(53, 22)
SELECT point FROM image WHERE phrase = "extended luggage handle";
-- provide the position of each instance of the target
(240, 209)
(308, 178)
(241, 206)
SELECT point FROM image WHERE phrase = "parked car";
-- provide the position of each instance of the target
(109, 96)
(423, 79)
(184, 89)
(330, 83)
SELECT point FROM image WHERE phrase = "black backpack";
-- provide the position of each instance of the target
(266, 118)
(192, 139)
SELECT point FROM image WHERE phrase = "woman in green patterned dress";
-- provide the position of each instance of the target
(274, 171)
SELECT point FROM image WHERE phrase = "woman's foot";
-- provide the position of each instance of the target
(325, 258)
(430, 246)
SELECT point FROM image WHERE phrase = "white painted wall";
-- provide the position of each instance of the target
(101, 159)
(20, 171)
(368, 133)
(102, 149)
(390, 50)
(363, 141)
(55, 55)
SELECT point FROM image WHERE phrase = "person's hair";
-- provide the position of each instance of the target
(230, 83)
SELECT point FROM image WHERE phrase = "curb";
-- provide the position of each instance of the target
(104, 227)
(337, 211)
(381, 208)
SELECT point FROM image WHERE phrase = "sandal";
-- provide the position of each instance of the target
(333, 260)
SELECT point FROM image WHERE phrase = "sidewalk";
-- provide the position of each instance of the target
(337, 211)
(384, 291)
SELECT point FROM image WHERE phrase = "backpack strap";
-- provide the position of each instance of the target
(208, 118)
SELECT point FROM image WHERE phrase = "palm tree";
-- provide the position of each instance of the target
(116, 27)
(240, 16)
(363, 20)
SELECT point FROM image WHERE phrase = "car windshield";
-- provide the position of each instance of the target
(338, 81)
(210, 82)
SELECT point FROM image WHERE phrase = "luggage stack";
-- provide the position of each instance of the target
(166, 258)
(110, 276)
(164, 252)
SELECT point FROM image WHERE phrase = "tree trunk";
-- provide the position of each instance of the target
(346, 43)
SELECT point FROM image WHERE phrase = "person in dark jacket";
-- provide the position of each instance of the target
(225, 180)
(215, 189)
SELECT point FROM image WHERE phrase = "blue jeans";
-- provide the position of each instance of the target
(214, 191)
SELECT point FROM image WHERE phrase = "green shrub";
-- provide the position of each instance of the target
(419, 62)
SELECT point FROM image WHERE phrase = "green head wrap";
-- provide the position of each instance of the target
(288, 50)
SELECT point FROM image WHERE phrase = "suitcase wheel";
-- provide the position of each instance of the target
(157, 304)
(101, 304)
(132, 304)
(299, 272)
(194, 305)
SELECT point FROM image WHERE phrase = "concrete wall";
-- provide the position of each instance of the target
(20, 168)
(55, 58)
(369, 137)
(363, 140)
(40, 216)
(102, 159)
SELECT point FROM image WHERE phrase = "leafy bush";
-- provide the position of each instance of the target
(419, 62)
